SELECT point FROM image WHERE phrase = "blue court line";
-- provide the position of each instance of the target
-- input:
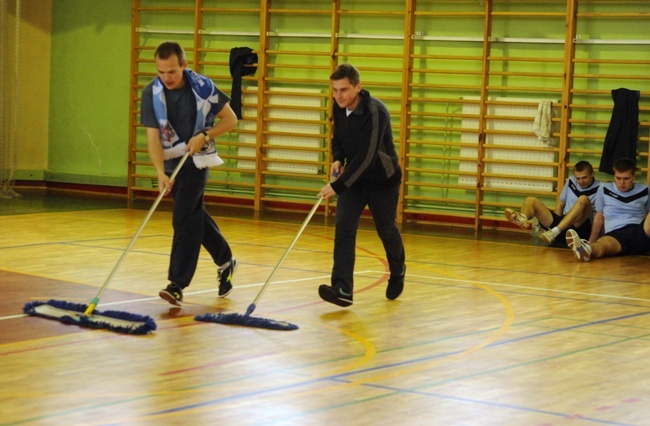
(495, 404)
(495, 344)
(397, 391)
(81, 242)
(339, 377)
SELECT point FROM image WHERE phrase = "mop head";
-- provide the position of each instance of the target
(246, 320)
(73, 313)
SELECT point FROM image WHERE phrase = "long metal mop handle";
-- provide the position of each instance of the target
(286, 253)
(251, 307)
(95, 301)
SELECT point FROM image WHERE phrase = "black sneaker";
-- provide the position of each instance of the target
(225, 274)
(334, 295)
(173, 294)
(395, 285)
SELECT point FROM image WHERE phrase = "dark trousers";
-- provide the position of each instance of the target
(193, 226)
(349, 207)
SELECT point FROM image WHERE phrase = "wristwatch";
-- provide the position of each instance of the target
(207, 137)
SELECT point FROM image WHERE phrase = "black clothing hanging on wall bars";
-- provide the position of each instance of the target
(623, 130)
(242, 62)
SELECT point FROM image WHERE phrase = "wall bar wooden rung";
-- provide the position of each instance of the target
(158, 31)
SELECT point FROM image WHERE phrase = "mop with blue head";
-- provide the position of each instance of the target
(246, 319)
(75, 314)
(85, 315)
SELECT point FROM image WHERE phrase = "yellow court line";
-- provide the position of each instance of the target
(505, 326)
(370, 353)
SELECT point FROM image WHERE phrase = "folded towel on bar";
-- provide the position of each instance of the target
(542, 124)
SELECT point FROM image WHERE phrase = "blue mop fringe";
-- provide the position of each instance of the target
(245, 320)
(143, 324)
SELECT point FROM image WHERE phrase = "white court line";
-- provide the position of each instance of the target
(147, 299)
(581, 293)
(273, 282)
(425, 277)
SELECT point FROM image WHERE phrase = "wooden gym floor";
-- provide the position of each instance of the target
(496, 330)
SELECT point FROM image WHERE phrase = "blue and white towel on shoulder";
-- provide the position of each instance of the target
(207, 101)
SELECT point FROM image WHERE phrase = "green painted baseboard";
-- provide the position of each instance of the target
(61, 177)
(36, 175)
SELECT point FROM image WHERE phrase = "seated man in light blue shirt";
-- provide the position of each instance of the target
(622, 209)
(574, 209)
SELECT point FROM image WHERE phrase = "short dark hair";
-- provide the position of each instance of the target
(584, 165)
(348, 71)
(624, 164)
(169, 48)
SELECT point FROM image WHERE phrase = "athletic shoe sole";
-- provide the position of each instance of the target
(226, 293)
(164, 294)
(513, 217)
(547, 237)
(232, 274)
(396, 286)
(328, 294)
(581, 249)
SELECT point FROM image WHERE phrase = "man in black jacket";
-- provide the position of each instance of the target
(366, 163)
